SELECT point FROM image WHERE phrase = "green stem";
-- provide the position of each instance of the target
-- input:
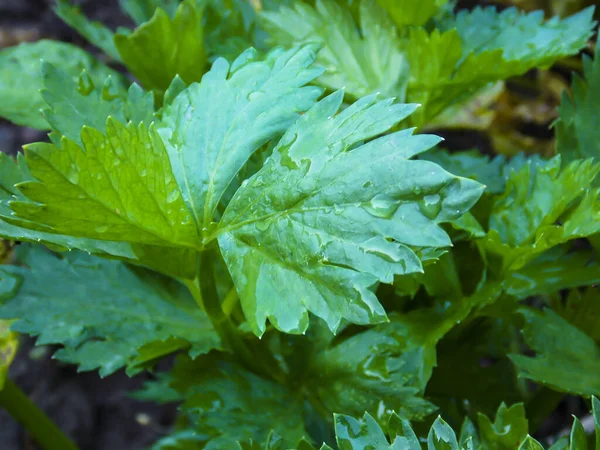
(36, 422)
(204, 291)
(541, 405)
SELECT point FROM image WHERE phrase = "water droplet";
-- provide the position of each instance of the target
(263, 225)
(101, 229)
(244, 183)
(143, 173)
(417, 190)
(254, 95)
(338, 210)
(383, 206)
(73, 174)
(118, 211)
(173, 196)
(430, 206)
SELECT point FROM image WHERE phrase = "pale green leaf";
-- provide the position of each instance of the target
(102, 311)
(13, 173)
(21, 77)
(328, 216)
(118, 187)
(75, 105)
(361, 61)
(161, 48)
(211, 128)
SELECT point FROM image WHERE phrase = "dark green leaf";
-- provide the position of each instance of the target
(101, 311)
(95, 32)
(566, 358)
(230, 404)
(577, 133)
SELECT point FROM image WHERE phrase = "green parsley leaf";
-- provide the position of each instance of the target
(356, 214)
(409, 12)
(161, 48)
(95, 32)
(361, 61)
(15, 172)
(577, 133)
(508, 429)
(361, 434)
(552, 271)
(102, 311)
(483, 46)
(542, 208)
(222, 400)
(566, 358)
(21, 77)
(213, 127)
(71, 106)
(118, 187)
(381, 370)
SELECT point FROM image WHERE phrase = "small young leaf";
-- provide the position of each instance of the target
(530, 444)
(508, 430)
(161, 48)
(578, 438)
(365, 433)
(441, 436)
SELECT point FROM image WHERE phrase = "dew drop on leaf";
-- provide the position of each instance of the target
(383, 206)
(173, 196)
(430, 206)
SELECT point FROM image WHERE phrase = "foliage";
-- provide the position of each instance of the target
(263, 202)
